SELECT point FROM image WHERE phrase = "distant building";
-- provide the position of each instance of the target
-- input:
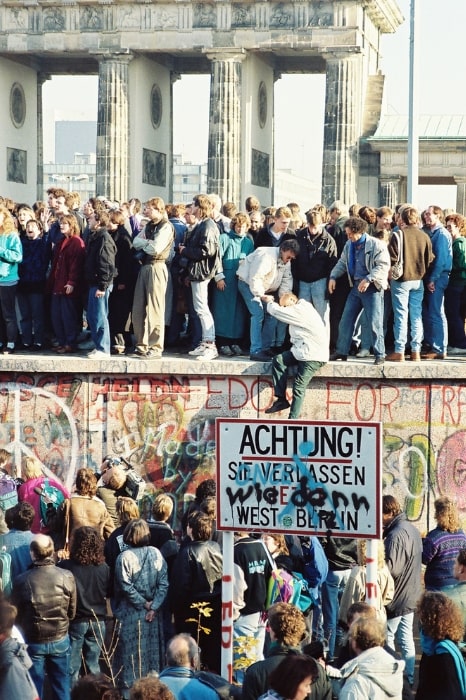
(189, 179)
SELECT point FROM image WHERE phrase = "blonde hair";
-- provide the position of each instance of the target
(446, 514)
(32, 468)
(362, 553)
(8, 225)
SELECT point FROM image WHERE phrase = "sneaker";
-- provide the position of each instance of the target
(363, 353)
(209, 352)
(226, 351)
(8, 350)
(456, 351)
(137, 352)
(97, 354)
(335, 356)
(237, 350)
(153, 354)
(379, 361)
(197, 351)
(262, 356)
(278, 405)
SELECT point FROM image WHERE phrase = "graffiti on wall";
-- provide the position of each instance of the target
(165, 427)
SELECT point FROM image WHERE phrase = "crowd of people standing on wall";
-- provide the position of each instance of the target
(109, 604)
(199, 277)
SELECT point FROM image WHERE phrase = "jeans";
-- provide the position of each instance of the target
(455, 319)
(66, 320)
(332, 590)
(262, 329)
(372, 302)
(248, 626)
(407, 298)
(316, 293)
(306, 370)
(435, 321)
(53, 658)
(97, 317)
(401, 629)
(199, 290)
(86, 638)
(31, 317)
(8, 321)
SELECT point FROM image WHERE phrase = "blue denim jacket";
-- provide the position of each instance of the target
(442, 248)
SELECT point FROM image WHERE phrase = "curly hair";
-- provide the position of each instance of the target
(87, 546)
(287, 623)
(150, 688)
(439, 617)
(446, 514)
(362, 553)
(201, 526)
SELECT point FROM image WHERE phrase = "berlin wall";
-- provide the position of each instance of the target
(164, 424)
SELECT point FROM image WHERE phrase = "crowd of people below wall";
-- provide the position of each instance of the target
(198, 278)
(110, 605)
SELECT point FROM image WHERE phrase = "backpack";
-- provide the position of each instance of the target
(315, 561)
(8, 492)
(51, 499)
(6, 584)
(289, 587)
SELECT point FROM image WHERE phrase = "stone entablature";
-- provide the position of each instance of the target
(83, 26)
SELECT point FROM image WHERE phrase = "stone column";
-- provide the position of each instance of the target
(389, 192)
(41, 78)
(460, 194)
(223, 162)
(342, 128)
(112, 156)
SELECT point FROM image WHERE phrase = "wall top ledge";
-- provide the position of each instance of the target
(453, 368)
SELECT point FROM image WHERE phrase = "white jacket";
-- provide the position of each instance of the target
(373, 675)
(308, 334)
(264, 272)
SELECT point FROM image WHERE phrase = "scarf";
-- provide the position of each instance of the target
(352, 253)
(431, 647)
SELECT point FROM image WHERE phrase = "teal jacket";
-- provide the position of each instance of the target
(11, 253)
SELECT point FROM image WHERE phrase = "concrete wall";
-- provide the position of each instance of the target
(71, 412)
(24, 138)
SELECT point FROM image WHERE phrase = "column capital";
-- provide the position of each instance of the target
(340, 53)
(229, 54)
(124, 56)
(459, 179)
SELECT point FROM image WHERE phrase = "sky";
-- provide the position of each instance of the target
(441, 87)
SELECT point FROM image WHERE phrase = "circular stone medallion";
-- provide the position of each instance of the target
(262, 104)
(17, 105)
(155, 106)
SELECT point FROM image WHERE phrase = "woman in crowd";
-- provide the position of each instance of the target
(65, 285)
(442, 672)
(84, 508)
(30, 491)
(33, 269)
(441, 545)
(230, 313)
(127, 510)
(11, 254)
(197, 582)
(91, 573)
(292, 679)
(141, 585)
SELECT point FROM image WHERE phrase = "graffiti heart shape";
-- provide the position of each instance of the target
(459, 472)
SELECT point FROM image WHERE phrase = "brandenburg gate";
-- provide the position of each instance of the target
(139, 48)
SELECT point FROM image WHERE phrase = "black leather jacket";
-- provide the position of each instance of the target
(46, 600)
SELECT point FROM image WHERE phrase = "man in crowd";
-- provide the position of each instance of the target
(403, 554)
(148, 315)
(308, 352)
(46, 600)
